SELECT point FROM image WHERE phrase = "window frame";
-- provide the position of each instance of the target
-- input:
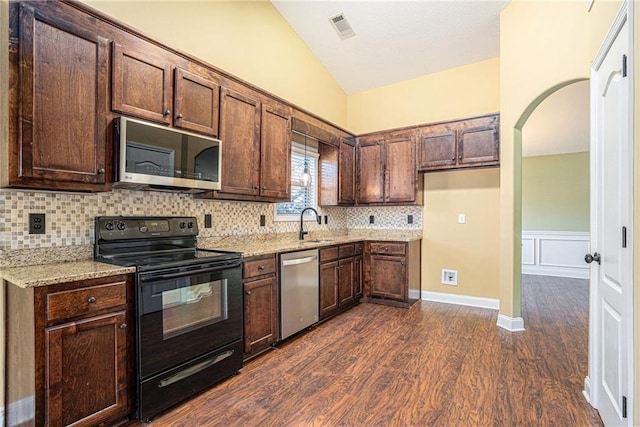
(313, 156)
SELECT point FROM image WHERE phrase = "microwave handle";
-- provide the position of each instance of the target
(151, 277)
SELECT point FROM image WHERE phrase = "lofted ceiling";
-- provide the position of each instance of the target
(395, 40)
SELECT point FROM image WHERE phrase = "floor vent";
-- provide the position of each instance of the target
(342, 26)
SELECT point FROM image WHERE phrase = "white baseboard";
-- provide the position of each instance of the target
(587, 389)
(555, 253)
(512, 324)
(21, 412)
(491, 303)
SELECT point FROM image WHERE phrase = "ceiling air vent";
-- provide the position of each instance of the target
(342, 26)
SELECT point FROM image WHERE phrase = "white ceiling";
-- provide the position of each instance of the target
(396, 40)
(560, 124)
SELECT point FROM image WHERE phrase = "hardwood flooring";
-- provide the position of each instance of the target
(431, 365)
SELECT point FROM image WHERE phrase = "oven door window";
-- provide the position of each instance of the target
(188, 308)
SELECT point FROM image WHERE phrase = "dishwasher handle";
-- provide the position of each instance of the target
(297, 261)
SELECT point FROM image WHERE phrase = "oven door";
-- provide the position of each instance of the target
(184, 314)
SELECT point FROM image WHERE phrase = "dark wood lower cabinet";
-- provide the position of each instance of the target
(261, 328)
(392, 272)
(340, 278)
(70, 353)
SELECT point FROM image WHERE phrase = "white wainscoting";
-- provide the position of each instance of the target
(555, 253)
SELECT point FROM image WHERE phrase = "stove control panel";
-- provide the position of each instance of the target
(121, 227)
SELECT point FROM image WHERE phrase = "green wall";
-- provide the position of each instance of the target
(555, 192)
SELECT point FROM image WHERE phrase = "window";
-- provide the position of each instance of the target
(301, 197)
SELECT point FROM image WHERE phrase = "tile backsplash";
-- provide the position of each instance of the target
(69, 216)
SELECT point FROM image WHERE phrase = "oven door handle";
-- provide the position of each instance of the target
(185, 373)
(150, 277)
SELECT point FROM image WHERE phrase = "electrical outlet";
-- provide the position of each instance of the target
(263, 221)
(450, 277)
(462, 218)
(409, 219)
(37, 223)
(326, 219)
(207, 220)
(371, 219)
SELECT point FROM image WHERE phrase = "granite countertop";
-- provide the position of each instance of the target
(54, 272)
(31, 276)
(254, 245)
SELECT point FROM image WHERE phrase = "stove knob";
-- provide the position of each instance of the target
(190, 224)
(183, 225)
(144, 229)
(121, 226)
(109, 226)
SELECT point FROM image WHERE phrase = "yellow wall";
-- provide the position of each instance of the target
(555, 192)
(460, 92)
(542, 44)
(471, 248)
(248, 39)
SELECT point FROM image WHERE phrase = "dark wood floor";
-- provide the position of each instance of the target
(431, 365)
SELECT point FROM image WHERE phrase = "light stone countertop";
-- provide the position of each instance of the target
(31, 276)
(255, 245)
(51, 273)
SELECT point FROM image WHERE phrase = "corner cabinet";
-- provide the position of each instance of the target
(387, 169)
(472, 142)
(58, 91)
(392, 272)
(261, 328)
(70, 347)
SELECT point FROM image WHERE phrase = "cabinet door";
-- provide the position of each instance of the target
(346, 289)
(478, 146)
(437, 150)
(346, 173)
(357, 277)
(401, 171)
(328, 288)
(388, 277)
(196, 103)
(240, 135)
(141, 85)
(275, 149)
(370, 171)
(260, 313)
(86, 370)
(328, 175)
(62, 102)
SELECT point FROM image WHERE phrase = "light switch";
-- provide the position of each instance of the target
(462, 218)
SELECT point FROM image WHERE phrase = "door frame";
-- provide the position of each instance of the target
(625, 15)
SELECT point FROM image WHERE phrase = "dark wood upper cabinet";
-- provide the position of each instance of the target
(275, 152)
(240, 135)
(472, 142)
(196, 103)
(371, 172)
(58, 96)
(328, 175)
(387, 169)
(346, 173)
(141, 84)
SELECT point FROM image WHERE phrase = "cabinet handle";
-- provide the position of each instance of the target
(179, 116)
(91, 300)
(167, 112)
(248, 292)
(123, 326)
(101, 171)
(460, 157)
(261, 267)
(453, 159)
(264, 187)
(402, 263)
(256, 187)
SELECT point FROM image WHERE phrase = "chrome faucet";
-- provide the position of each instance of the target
(302, 232)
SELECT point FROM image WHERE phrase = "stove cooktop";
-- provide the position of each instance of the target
(150, 260)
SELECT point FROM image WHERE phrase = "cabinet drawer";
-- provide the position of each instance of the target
(258, 267)
(78, 302)
(329, 254)
(388, 248)
(346, 250)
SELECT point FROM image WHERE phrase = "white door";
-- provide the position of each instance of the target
(611, 216)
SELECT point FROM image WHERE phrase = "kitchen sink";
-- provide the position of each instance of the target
(318, 241)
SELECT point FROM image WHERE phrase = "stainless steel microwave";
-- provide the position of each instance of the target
(155, 157)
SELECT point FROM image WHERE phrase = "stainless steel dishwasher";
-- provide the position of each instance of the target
(299, 291)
